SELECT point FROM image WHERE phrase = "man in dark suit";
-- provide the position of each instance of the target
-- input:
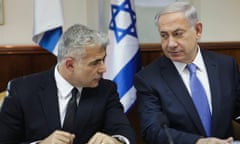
(165, 90)
(36, 107)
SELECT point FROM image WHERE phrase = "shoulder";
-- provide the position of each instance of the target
(32, 79)
(155, 66)
(218, 57)
(214, 54)
(106, 83)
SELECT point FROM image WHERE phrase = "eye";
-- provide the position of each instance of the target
(178, 33)
(164, 35)
(97, 62)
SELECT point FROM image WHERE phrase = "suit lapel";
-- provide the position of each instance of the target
(49, 100)
(176, 84)
(213, 76)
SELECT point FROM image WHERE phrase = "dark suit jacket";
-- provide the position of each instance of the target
(30, 112)
(162, 92)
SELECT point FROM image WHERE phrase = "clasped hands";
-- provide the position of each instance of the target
(62, 137)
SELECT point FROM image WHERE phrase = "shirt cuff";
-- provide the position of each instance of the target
(36, 142)
(121, 139)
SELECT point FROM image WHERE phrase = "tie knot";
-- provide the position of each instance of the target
(74, 92)
(192, 68)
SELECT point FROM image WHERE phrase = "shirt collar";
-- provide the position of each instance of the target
(198, 61)
(63, 86)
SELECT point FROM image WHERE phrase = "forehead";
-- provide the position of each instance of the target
(93, 52)
(172, 21)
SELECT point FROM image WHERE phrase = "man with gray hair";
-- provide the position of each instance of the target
(69, 104)
(189, 95)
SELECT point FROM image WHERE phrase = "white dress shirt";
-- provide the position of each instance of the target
(64, 89)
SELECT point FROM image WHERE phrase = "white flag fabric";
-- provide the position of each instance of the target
(123, 54)
(48, 22)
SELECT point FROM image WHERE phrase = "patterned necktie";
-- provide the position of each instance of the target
(68, 124)
(199, 98)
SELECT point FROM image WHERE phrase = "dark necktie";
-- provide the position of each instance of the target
(200, 99)
(69, 119)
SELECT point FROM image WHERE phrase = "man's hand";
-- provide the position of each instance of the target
(212, 140)
(59, 137)
(101, 138)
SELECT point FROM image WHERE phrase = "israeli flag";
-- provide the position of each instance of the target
(123, 54)
(48, 23)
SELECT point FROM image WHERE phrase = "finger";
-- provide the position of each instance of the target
(230, 140)
(64, 137)
(97, 138)
(108, 140)
(63, 133)
(92, 140)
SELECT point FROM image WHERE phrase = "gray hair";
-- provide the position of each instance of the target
(189, 11)
(77, 38)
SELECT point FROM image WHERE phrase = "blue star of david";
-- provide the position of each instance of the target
(120, 33)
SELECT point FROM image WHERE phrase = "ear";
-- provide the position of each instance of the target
(69, 63)
(198, 28)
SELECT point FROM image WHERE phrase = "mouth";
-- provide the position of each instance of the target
(174, 53)
(98, 79)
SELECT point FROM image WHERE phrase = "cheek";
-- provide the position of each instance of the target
(164, 44)
(188, 41)
(191, 43)
(89, 73)
(192, 37)
(81, 73)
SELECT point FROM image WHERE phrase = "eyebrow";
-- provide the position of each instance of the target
(98, 60)
(179, 30)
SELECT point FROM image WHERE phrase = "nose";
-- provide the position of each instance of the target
(172, 42)
(102, 67)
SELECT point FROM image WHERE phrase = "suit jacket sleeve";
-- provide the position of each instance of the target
(116, 122)
(11, 117)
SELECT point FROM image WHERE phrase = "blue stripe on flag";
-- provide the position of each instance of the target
(124, 78)
(50, 39)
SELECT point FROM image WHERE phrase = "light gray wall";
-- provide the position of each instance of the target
(220, 19)
(18, 15)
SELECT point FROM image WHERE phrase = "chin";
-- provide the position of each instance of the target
(94, 85)
(177, 59)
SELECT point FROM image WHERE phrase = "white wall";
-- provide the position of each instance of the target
(220, 19)
(18, 14)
